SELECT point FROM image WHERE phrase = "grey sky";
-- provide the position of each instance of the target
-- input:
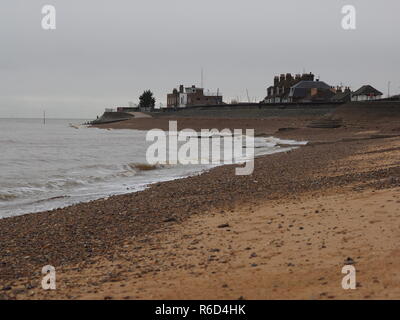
(106, 53)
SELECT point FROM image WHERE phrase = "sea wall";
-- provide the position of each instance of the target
(369, 111)
(109, 117)
(250, 111)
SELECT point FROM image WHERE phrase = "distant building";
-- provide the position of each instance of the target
(121, 109)
(127, 109)
(131, 108)
(311, 91)
(192, 96)
(279, 92)
(342, 95)
(366, 93)
(299, 88)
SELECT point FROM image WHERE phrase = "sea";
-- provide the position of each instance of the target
(44, 166)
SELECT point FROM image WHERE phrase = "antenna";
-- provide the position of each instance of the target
(202, 77)
(389, 83)
(248, 97)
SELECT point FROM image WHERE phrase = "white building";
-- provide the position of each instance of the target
(366, 93)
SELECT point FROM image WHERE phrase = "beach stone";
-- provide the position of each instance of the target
(349, 261)
(221, 226)
(30, 286)
(3, 297)
(393, 180)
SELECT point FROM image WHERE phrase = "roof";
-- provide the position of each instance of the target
(311, 84)
(367, 90)
(341, 95)
(321, 96)
(298, 92)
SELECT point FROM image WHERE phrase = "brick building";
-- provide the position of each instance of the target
(311, 91)
(279, 92)
(299, 88)
(191, 96)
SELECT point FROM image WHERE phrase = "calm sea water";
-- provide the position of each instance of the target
(50, 166)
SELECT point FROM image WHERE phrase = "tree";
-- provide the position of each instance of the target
(147, 100)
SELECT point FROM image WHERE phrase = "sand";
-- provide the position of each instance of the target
(292, 251)
(283, 233)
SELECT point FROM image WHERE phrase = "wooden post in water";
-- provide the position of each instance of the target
(44, 117)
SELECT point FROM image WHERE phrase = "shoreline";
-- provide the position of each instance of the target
(148, 185)
(116, 239)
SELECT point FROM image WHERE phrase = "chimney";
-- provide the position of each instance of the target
(308, 76)
(276, 81)
(289, 80)
(181, 88)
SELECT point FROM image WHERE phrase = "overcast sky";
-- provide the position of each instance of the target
(106, 52)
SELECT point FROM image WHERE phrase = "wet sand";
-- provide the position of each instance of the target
(284, 232)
